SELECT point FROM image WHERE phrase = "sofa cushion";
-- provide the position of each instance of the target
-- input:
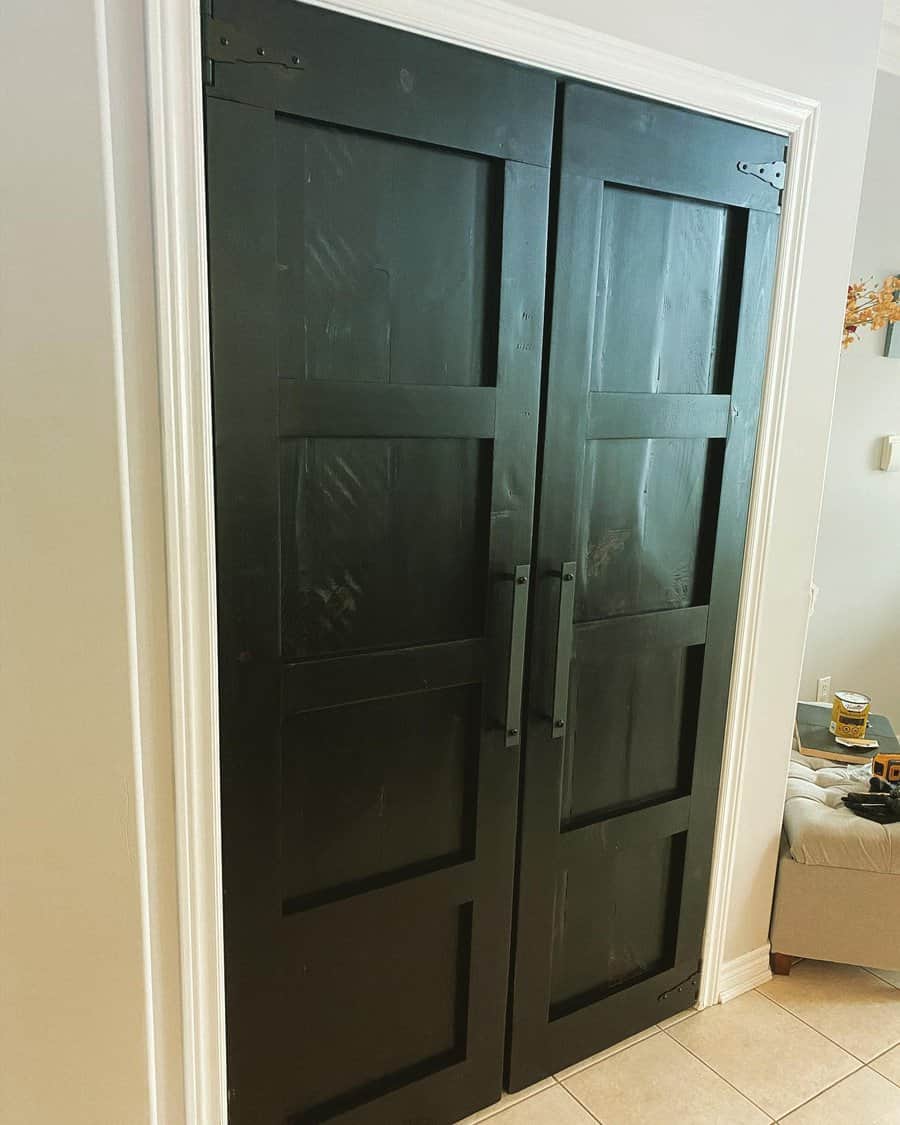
(821, 830)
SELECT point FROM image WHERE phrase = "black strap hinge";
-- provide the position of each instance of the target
(689, 984)
(774, 173)
(222, 42)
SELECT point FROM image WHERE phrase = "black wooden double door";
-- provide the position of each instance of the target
(487, 350)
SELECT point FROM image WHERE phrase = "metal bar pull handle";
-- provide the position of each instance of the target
(516, 655)
(563, 648)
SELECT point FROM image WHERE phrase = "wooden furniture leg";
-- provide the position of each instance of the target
(781, 964)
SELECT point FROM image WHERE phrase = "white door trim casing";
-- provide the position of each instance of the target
(176, 106)
(179, 216)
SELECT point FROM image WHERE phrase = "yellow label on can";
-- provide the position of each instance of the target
(849, 714)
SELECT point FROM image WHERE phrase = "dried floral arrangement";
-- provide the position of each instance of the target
(870, 306)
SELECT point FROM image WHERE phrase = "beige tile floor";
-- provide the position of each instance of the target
(820, 1047)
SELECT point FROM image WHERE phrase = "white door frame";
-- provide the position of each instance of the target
(176, 106)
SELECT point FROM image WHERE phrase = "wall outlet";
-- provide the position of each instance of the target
(823, 689)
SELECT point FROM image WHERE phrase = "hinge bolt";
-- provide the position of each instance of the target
(560, 723)
(261, 51)
(295, 59)
(512, 732)
(223, 39)
(521, 580)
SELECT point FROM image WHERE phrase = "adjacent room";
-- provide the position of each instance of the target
(451, 572)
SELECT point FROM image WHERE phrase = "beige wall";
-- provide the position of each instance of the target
(72, 1018)
(72, 1026)
(73, 952)
(854, 634)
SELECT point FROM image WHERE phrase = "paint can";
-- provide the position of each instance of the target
(849, 714)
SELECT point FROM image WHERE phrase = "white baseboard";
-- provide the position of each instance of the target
(743, 973)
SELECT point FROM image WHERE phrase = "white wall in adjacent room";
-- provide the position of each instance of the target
(854, 633)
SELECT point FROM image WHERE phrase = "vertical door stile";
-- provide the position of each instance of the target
(524, 235)
(740, 447)
(240, 173)
(570, 350)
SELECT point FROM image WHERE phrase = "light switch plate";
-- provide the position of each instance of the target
(890, 453)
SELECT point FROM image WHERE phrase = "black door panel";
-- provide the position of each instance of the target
(664, 256)
(377, 288)
(409, 921)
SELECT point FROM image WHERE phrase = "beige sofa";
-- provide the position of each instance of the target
(837, 896)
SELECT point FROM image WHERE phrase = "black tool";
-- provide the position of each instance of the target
(881, 803)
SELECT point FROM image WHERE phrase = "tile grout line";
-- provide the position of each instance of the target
(849, 1055)
(497, 1109)
(791, 1012)
(881, 1056)
(824, 1090)
(575, 1097)
(812, 1027)
(862, 1065)
(609, 1053)
(877, 977)
(721, 1077)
